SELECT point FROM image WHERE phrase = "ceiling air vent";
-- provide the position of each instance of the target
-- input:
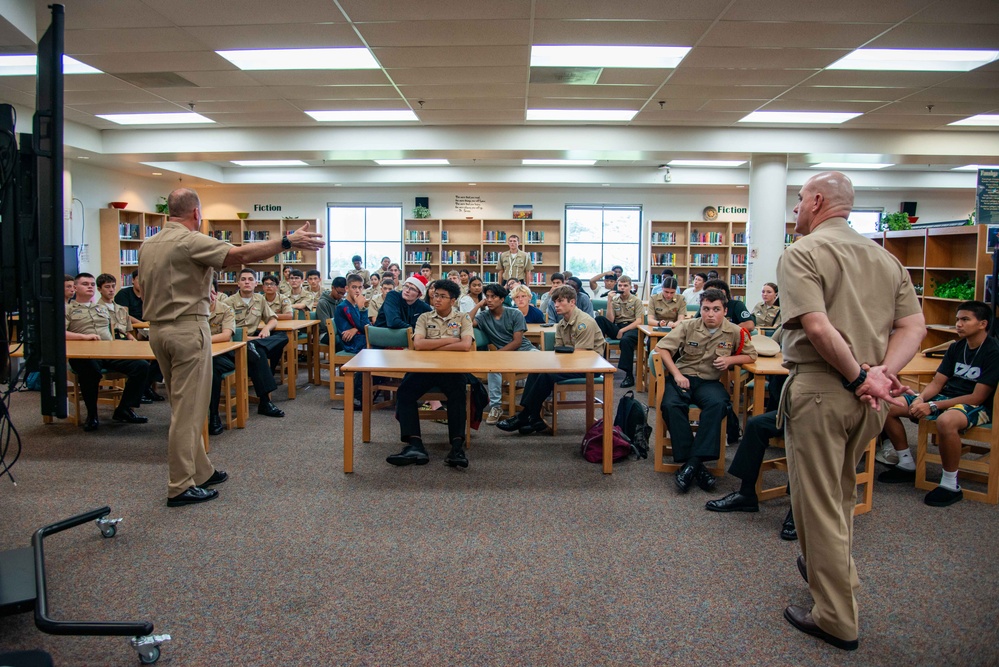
(573, 76)
(155, 80)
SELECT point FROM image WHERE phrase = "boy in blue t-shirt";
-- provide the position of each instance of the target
(959, 397)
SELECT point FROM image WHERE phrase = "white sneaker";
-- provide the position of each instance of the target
(495, 414)
(886, 454)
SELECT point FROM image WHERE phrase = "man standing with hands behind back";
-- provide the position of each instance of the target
(176, 267)
(514, 263)
(841, 378)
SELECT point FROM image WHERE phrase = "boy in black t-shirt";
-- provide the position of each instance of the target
(959, 397)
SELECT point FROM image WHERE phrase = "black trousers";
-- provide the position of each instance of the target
(538, 388)
(628, 344)
(414, 386)
(753, 447)
(88, 371)
(710, 396)
(258, 369)
(271, 347)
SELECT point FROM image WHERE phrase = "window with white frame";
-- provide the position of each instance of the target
(865, 220)
(372, 231)
(598, 237)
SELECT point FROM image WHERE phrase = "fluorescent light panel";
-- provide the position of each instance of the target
(270, 163)
(816, 117)
(981, 120)
(285, 59)
(183, 117)
(620, 115)
(975, 167)
(373, 116)
(415, 162)
(27, 66)
(850, 165)
(915, 60)
(558, 163)
(644, 57)
(706, 163)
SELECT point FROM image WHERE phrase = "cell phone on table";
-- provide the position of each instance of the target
(547, 324)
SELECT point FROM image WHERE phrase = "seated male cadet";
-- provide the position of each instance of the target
(315, 286)
(326, 307)
(583, 302)
(610, 282)
(285, 285)
(122, 323)
(576, 329)
(358, 271)
(545, 300)
(385, 286)
(350, 317)
(258, 321)
(131, 298)
(625, 312)
(736, 311)
(299, 297)
(958, 397)
(86, 320)
(279, 303)
(444, 328)
(666, 307)
(222, 323)
(400, 310)
(69, 287)
(708, 346)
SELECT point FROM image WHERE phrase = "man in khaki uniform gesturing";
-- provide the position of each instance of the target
(843, 362)
(514, 263)
(176, 266)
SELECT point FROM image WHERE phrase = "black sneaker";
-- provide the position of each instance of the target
(629, 381)
(896, 475)
(456, 457)
(941, 497)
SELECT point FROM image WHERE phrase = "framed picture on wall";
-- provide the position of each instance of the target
(993, 239)
(523, 211)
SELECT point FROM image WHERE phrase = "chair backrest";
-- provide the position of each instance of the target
(302, 314)
(382, 337)
(237, 335)
(331, 328)
(548, 340)
(693, 308)
(599, 304)
(481, 339)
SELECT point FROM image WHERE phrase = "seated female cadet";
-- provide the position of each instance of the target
(667, 307)
(767, 312)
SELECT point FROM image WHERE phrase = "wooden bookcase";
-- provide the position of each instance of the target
(237, 232)
(122, 232)
(698, 247)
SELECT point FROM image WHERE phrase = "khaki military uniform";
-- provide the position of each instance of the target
(374, 305)
(284, 287)
(90, 318)
(701, 347)
(221, 318)
(305, 296)
(175, 266)
(121, 322)
(627, 309)
(766, 316)
(517, 266)
(662, 309)
(280, 305)
(371, 291)
(827, 430)
(364, 273)
(433, 327)
(252, 316)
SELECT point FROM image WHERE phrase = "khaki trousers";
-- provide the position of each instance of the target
(183, 349)
(827, 431)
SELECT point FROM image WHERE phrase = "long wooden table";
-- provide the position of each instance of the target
(377, 362)
(292, 328)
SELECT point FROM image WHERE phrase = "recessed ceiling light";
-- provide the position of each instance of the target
(270, 163)
(275, 59)
(581, 114)
(605, 185)
(659, 57)
(372, 116)
(27, 66)
(157, 173)
(817, 117)
(706, 163)
(982, 119)
(82, 157)
(558, 163)
(416, 162)
(183, 117)
(473, 183)
(975, 167)
(850, 165)
(915, 60)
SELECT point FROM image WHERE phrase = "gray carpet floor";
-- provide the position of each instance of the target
(529, 557)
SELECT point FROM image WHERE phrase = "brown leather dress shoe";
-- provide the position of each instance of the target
(801, 618)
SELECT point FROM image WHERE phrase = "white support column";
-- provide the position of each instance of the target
(767, 215)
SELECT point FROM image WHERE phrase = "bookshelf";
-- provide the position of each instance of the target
(122, 232)
(239, 232)
(698, 247)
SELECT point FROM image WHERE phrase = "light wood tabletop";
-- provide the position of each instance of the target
(292, 328)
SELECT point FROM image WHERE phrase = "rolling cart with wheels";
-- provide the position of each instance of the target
(22, 588)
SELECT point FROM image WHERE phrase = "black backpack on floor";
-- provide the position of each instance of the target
(633, 418)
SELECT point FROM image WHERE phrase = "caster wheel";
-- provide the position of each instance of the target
(154, 655)
(109, 531)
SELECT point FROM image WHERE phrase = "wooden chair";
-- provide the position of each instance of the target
(511, 390)
(229, 388)
(384, 338)
(979, 460)
(441, 413)
(109, 390)
(337, 360)
(663, 445)
(560, 394)
(599, 306)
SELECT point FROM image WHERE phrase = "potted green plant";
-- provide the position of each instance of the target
(161, 205)
(894, 222)
(421, 212)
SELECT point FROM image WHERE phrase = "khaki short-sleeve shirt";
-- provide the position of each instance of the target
(580, 331)
(515, 266)
(831, 271)
(432, 326)
(374, 305)
(284, 287)
(700, 347)
(364, 273)
(119, 316)
(253, 315)
(90, 318)
(280, 305)
(627, 309)
(175, 269)
(305, 296)
(766, 316)
(662, 309)
(223, 317)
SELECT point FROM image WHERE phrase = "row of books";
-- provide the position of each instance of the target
(704, 259)
(537, 257)
(739, 259)
(538, 278)
(707, 238)
(664, 259)
(737, 280)
(739, 239)
(460, 257)
(252, 236)
(419, 256)
(664, 238)
(129, 256)
(292, 257)
(417, 236)
(788, 239)
(494, 237)
(126, 279)
(127, 232)
(534, 236)
(222, 235)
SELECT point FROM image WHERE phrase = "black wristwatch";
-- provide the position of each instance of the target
(852, 386)
(285, 243)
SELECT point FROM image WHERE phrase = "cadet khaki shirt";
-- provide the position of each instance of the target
(280, 305)
(89, 318)
(374, 305)
(305, 296)
(432, 326)
(701, 347)
(284, 287)
(175, 270)
(580, 331)
(253, 316)
(662, 309)
(119, 315)
(627, 309)
(364, 273)
(517, 266)
(766, 316)
(223, 317)
(811, 275)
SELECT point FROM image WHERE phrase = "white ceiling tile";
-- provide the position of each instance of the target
(464, 90)
(245, 106)
(536, 102)
(79, 97)
(24, 84)
(900, 122)
(219, 94)
(782, 104)
(740, 106)
(454, 56)
(857, 93)
(678, 104)
(14, 96)
(104, 14)
(133, 40)
(602, 92)
(478, 117)
(458, 75)
(669, 117)
(634, 10)
(886, 11)
(616, 76)
(975, 79)
(960, 11)
(176, 61)
(645, 33)
(355, 77)
(435, 10)
(838, 77)
(787, 58)
(757, 34)
(245, 12)
(702, 76)
(470, 103)
(933, 95)
(220, 79)
(296, 93)
(947, 108)
(446, 33)
(939, 36)
(276, 36)
(124, 107)
(721, 92)
(351, 104)
(289, 114)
